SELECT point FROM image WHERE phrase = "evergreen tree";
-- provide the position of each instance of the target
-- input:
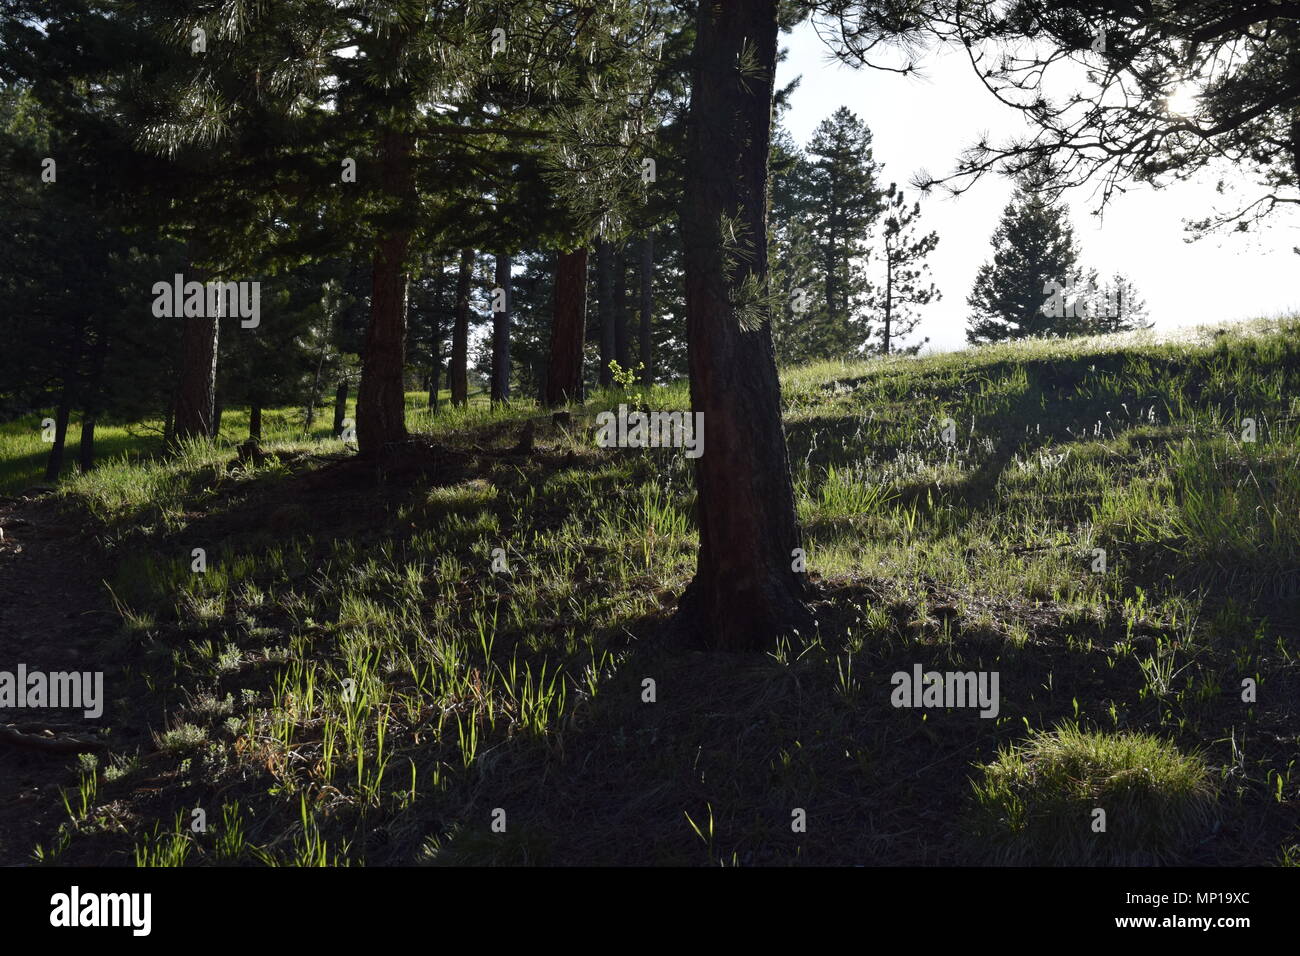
(72, 273)
(668, 293)
(1035, 257)
(746, 590)
(843, 200)
(825, 201)
(430, 315)
(605, 318)
(459, 372)
(905, 286)
(798, 323)
(287, 361)
(1114, 306)
(531, 310)
(645, 249)
(1175, 90)
(503, 297)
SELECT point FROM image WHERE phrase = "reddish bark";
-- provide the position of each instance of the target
(745, 592)
(381, 394)
(196, 397)
(568, 329)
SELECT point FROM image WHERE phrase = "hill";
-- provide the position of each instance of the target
(468, 657)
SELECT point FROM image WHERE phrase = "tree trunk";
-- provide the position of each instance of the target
(831, 262)
(169, 423)
(90, 402)
(54, 464)
(255, 421)
(605, 310)
(309, 413)
(381, 395)
(435, 337)
(217, 409)
(501, 336)
(622, 342)
(745, 592)
(647, 309)
(196, 397)
(340, 407)
(459, 371)
(86, 451)
(568, 329)
(889, 295)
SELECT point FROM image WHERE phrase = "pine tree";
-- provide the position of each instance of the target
(291, 358)
(568, 329)
(825, 201)
(798, 332)
(1035, 260)
(615, 157)
(430, 310)
(746, 588)
(843, 200)
(531, 302)
(905, 286)
(459, 372)
(605, 318)
(1114, 306)
(645, 335)
(622, 342)
(70, 270)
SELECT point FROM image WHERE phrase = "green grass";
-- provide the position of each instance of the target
(23, 452)
(357, 673)
(1088, 798)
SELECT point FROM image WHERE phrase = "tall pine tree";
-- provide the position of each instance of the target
(1034, 250)
(843, 200)
(905, 285)
(825, 202)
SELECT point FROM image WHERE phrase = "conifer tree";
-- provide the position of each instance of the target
(800, 320)
(568, 329)
(747, 587)
(1116, 306)
(459, 382)
(905, 286)
(1034, 253)
(825, 203)
(843, 199)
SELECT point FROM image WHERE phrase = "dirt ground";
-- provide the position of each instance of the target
(54, 615)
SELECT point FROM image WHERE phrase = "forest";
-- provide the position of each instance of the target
(464, 433)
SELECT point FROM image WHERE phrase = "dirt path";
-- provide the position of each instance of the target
(54, 615)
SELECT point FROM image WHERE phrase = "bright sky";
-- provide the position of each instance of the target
(925, 122)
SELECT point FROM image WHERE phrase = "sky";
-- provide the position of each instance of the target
(925, 122)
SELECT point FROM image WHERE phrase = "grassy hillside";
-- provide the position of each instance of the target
(350, 681)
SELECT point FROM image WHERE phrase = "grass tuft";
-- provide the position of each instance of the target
(1042, 802)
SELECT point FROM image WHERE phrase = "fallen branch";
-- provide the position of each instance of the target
(9, 734)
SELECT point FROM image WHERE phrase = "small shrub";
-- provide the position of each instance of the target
(182, 738)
